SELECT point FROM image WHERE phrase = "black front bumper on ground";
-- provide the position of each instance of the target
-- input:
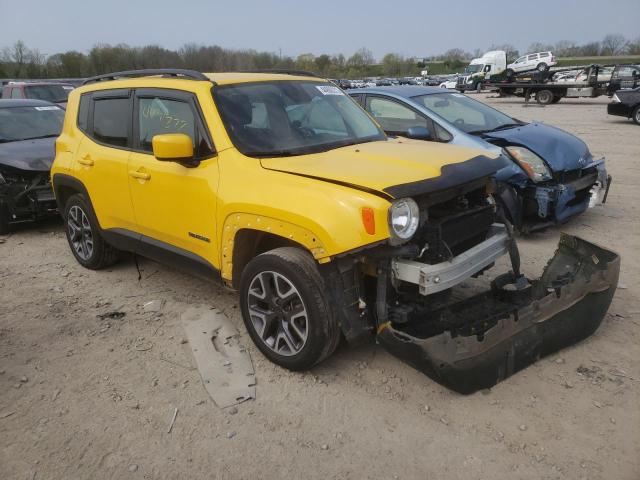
(509, 329)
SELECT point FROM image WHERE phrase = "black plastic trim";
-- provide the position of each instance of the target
(451, 175)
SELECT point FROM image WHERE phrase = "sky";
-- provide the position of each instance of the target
(409, 27)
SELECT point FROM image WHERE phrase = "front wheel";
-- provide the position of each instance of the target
(83, 234)
(636, 115)
(286, 310)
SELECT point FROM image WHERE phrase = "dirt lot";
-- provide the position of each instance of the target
(84, 398)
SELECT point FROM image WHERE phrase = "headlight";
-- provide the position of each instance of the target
(530, 163)
(404, 217)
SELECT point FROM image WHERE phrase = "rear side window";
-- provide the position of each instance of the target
(545, 54)
(111, 118)
(16, 93)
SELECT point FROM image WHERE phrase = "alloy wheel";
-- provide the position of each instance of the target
(278, 313)
(80, 233)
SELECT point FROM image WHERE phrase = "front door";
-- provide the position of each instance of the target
(174, 203)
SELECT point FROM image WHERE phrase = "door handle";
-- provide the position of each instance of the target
(139, 175)
(86, 160)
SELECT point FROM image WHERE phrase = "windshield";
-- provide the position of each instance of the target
(472, 68)
(465, 113)
(292, 118)
(50, 93)
(25, 123)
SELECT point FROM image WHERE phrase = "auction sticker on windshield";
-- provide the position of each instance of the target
(329, 90)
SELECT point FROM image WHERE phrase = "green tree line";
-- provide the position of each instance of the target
(20, 61)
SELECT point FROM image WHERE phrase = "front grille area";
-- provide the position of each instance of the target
(573, 175)
(454, 225)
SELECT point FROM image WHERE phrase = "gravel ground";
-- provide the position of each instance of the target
(85, 398)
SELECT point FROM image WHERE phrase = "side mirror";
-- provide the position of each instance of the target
(173, 147)
(418, 133)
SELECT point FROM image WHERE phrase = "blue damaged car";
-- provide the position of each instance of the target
(552, 175)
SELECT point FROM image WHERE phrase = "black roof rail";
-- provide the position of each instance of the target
(284, 71)
(167, 72)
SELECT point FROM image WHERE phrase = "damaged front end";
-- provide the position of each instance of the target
(426, 304)
(25, 196)
(479, 341)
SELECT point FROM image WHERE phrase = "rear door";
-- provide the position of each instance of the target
(174, 203)
(103, 154)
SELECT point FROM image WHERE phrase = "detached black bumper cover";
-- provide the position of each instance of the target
(505, 330)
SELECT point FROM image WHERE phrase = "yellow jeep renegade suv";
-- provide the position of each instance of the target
(281, 186)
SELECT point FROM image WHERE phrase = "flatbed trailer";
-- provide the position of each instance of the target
(546, 91)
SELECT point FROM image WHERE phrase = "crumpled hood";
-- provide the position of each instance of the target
(34, 155)
(561, 150)
(383, 166)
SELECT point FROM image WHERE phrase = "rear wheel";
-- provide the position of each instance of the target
(285, 308)
(83, 234)
(636, 115)
(544, 97)
(542, 67)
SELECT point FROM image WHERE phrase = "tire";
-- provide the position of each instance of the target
(277, 284)
(544, 97)
(83, 235)
(542, 67)
(636, 115)
(4, 218)
(509, 72)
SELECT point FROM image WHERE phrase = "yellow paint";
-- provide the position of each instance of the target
(230, 192)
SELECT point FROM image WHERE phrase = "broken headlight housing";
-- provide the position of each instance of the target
(404, 218)
(531, 163)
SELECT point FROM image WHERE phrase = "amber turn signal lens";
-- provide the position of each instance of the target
(368, 220)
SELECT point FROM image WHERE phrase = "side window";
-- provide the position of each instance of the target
(532, 57)
(521, 59)
(83, 113)
(111, 120)
(441, 134)
(157, 116)
(545, 54)
(16, 93)
(394, 117)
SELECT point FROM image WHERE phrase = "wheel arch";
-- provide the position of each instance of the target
(246, 235)
(64, 186)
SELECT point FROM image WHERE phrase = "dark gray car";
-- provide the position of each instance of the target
(28, 130)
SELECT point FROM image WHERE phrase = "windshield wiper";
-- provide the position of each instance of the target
(273, 153)
(500, 127)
